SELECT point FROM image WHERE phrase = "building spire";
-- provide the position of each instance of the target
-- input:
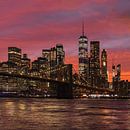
(82, 27)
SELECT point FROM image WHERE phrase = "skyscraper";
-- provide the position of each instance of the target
(113, 72)
(14, 55)
(116, 80)
(83, 54)
(25, 61)
(60, 54)
(46, 53)
(118, 76)
(57, 60)
(95, 62)
(55, 56)
(25, 64)
(104, 65)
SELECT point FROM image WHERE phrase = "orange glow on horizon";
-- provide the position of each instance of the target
(74, 60)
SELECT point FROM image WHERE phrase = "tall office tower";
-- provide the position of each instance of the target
(14, 55)
(95, 62)
(60, 54)
(57, 58)
(53, 57)
(46, 53)
(118, 76)
(25, 61)
(83, 55)
(113, 72)
(104, 65)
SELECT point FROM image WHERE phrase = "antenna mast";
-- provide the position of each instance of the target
(83, 27)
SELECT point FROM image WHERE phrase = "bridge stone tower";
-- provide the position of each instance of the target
(65, 89)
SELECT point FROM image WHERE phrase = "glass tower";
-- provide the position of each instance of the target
(83, 54)
(104, 64)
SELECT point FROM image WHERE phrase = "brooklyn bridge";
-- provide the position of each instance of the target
(61, 80)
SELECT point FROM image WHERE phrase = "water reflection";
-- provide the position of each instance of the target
(42, 114)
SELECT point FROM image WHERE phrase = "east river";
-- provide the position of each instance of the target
(54, 114)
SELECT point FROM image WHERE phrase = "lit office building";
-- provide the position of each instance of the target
(42, 64)
(60, 54)
(57, 58)
(8, 83)
(14, 55)
(94, 62)
(120, 86)
(25, 64)
(46, 54)
(53, 57)
(25, 61)
(104, 65)
(8, 67)
(83, 55)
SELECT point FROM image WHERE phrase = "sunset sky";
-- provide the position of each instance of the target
(36, 24)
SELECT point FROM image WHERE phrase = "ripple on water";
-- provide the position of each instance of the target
(42, 114)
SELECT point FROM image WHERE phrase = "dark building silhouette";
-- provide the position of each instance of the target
(95, 62)
(113, 72)
(40, 64)
(118, 76)
(104, 65)
(116, 73)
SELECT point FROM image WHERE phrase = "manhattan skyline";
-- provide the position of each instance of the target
(37, 25)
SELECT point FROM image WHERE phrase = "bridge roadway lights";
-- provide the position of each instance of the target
(64, 91)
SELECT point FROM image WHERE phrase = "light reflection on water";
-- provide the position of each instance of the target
(51, 114)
